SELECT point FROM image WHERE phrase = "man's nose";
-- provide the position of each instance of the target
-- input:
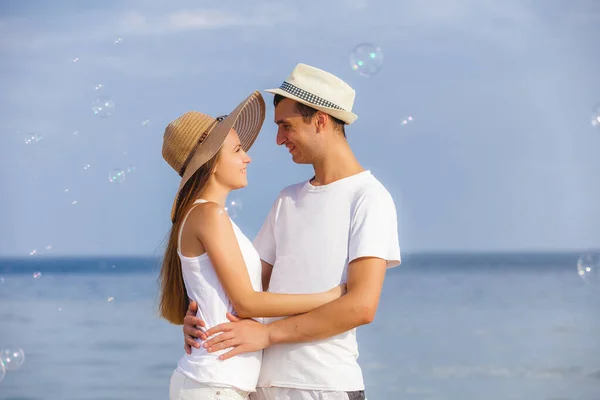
(280, 138)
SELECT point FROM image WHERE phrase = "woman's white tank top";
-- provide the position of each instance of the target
(203, 286)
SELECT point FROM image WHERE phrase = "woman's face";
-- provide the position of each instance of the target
(230, 170)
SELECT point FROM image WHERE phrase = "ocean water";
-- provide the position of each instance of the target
(454, 326)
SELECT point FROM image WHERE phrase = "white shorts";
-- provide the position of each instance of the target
(184, 388)
(280, 393)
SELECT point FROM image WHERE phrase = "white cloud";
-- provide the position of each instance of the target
(356, 4)
(93, 27)
(137, 23)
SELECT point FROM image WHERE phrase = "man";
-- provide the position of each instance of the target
(340, 226)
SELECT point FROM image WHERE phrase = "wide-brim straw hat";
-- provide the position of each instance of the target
(320, 90)
(194, 138)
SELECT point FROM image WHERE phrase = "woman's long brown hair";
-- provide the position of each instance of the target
(174, 301)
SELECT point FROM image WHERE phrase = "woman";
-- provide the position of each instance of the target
(208, 259)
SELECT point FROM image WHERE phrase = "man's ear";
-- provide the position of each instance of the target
(321, 120)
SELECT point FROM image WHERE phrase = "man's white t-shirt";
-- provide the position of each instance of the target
(310, 236)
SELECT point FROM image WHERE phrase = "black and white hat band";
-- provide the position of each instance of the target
(307, 96)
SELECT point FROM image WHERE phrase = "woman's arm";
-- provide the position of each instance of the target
(216, 234)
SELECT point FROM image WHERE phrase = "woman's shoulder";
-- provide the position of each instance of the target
(207, 216)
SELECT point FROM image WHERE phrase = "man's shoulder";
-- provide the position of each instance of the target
(370, 186)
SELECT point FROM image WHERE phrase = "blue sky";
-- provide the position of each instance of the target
(500, 154)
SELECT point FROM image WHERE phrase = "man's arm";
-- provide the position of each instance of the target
(357, 307)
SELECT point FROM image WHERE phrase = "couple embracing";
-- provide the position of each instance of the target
(275, 318)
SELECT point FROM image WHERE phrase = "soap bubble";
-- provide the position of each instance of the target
(103, 107)
(366, 59)
(233, 208)
(145, 123)
(116, 176)
(2, 371)
(32, 138)
(12, 358)
(596, 116)
(588, 268)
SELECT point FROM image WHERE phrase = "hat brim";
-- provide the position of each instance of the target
(247, 119)
(346, 116)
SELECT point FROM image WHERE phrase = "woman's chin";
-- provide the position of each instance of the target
(240, 185)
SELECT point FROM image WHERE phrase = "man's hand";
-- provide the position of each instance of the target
(244, 335)
(190, 328)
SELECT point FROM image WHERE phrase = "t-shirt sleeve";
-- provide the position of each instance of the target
(374, 228)
(265, 239)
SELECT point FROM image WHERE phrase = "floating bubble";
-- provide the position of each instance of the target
(366, 59)
(588, 268)
(87, 166)
(74, 202)
(31, 138)
(49, 247)
(98, 87)
(145, 123)
(33, 252)
(12, 358)
(407, 120)
(130, 168)
(75, 133)
(118, 40)
(76, 59)
(2, 371)
(1, 280)
(103, 107)
(596, 116)
(110, 299)
(37, 275)
(116, 176)
(234, 207)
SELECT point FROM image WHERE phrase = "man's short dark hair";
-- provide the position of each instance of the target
(308, 113)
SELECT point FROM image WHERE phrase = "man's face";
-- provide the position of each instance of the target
(293, 133)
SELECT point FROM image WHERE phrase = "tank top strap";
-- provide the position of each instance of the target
(198, 201)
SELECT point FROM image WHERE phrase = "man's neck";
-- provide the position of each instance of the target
(337, 164)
